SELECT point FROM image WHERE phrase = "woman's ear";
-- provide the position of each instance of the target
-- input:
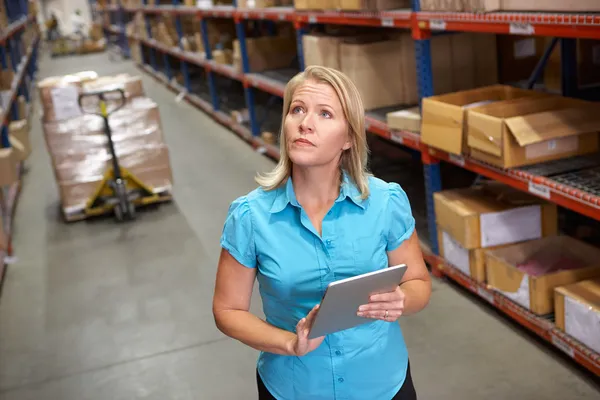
(347, 145)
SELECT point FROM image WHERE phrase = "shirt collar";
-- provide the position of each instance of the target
(286, 195)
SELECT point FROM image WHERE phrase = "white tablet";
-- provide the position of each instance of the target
(342, 298)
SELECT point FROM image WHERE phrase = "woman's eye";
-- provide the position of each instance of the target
(296, 109)
(326, 114)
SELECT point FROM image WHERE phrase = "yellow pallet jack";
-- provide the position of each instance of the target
(120, 191)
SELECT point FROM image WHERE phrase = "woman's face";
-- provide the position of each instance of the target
(315, 127)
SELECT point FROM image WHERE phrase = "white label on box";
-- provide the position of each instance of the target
(516, 28)
(539, 190)
(457, 160)
(437, 25)
(524, 48)
(511, 226)
(65, 102)
(455, 254)
(521, 296)
(312, 19)
(582, 321)
(558, 342)
(388, 22)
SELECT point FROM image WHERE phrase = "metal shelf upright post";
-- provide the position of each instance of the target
(210, 75)
(248, 90)
(301, 29)
(183, 64)
(4, 65)
(124, 44)
(431, 165)
(151, 50)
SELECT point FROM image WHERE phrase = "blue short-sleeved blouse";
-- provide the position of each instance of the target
(270, 231)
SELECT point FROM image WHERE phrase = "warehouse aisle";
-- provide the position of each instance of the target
(103, 311)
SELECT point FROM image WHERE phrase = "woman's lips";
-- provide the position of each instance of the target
(304, 142)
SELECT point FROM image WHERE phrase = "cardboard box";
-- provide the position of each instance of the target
(532, 5)
(492, 215)
(267, 52)
(19, 130)
(518, 56)
(405, 120)
(9, 170)
(577, 311)
(372, 5)
(469, 262)
(371, 67)
(445, 116)
(315, 4)
(532, 130)
(322, 50)
(528, 272)
(588, 65)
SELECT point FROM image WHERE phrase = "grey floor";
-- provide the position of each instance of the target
(103, 311)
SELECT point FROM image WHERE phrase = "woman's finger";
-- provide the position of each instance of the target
(384, 305)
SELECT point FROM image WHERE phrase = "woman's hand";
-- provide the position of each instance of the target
(301, 344)
(385, 306)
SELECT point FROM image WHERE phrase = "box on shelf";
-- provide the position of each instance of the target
(493, 214)
(19, 130)
(258, 3)
(528, 272)
(588, 65)
(405, 120)
(577, 311)
(372, 5)
(9, 172)
(315, 4)
(469, 262)
(532, 5)
(532, 130)
(267, 52)
(445, 117)
(518, 56)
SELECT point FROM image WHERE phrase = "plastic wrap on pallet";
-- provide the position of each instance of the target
(59, 95)
(80, 154)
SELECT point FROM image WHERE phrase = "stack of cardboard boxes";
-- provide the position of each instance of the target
(383, 65)
(510, 5)
(508, 127)
(351, 5)
(509, 241)
(77, 142)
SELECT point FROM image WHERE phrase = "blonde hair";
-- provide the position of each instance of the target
(354, 160)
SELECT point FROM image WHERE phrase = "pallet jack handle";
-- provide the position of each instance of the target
(104, 96)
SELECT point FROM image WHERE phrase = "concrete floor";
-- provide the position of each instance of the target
(103, 311)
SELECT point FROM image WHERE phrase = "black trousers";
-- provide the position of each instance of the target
(406, 392)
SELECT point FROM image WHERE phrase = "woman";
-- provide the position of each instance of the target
(316, 218)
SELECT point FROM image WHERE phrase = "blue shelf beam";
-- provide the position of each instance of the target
(240, 28)
(210, 76)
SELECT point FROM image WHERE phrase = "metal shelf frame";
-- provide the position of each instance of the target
(562, 191)
(24, 67)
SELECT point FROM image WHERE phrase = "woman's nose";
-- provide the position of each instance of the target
(306, 125)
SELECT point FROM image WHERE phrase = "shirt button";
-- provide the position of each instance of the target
(341, 380)
(338, 353)
(328, 242)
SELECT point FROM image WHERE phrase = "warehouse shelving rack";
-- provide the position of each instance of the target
(24, 67)
(573, 184)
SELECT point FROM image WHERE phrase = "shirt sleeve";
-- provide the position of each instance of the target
(401, 223)
(238, 233)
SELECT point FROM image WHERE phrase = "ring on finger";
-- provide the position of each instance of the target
(386, 314)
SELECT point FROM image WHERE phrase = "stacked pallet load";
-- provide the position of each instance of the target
(77, 142)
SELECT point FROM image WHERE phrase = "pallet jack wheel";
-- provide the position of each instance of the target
(118, 213)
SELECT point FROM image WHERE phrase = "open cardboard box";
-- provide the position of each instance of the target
(532, 130)
(493, 214)
(577, 311)
(445, 116)
(469, 262)
(536, 293)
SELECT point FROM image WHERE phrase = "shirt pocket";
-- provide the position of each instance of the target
(369, 253)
